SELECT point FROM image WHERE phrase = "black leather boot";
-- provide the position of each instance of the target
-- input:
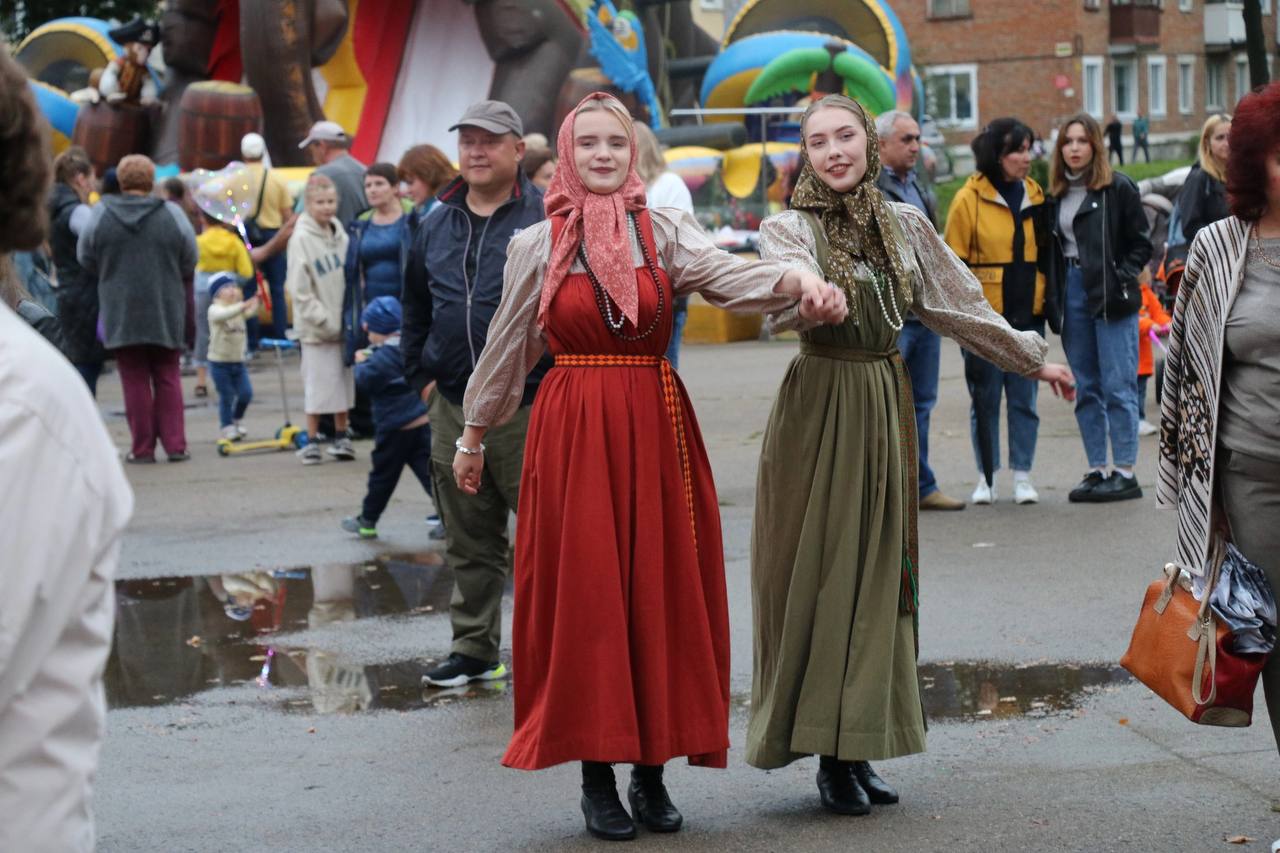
(877, 789)
(839, 788)
(606, 818)
(650, 803)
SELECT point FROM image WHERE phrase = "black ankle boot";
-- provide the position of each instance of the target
(877, 789)
(839, 788)
(649, 800)
(606, 818)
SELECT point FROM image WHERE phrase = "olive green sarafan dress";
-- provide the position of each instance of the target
(835, 653)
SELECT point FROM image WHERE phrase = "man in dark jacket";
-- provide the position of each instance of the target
(921, 347)
(452, 288)
(141, 248)
(77, 293)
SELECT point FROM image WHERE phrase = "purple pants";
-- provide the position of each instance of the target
(152, 382)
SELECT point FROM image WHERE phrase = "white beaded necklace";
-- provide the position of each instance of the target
(878, 283)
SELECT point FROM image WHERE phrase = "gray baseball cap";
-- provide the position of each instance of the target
(493, 116)
(324, 131)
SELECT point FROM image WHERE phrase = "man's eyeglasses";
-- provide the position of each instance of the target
(909, 138)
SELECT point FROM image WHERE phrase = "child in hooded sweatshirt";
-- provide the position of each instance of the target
(228, 335)
(220, 250)
(402, 435)
(316, 283)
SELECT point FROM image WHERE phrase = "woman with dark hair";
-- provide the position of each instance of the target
(1203, 198)
(77, 293)
(1220, 415)
(1100, 248)
(539, 166)
(834, 556)
(991, 227)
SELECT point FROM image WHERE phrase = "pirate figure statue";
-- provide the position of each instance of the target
(126, 78)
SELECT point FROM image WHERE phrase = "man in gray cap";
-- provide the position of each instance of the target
(452, 288)
(328, 145)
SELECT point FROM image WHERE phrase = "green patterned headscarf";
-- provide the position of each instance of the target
(858, 223)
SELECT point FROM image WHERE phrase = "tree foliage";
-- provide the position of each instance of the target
(19, 17)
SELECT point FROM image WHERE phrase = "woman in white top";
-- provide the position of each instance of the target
(663, 188)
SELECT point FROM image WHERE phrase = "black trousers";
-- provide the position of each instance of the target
(391, 454)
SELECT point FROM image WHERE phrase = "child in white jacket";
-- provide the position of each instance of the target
(316, 283)
(227, 338)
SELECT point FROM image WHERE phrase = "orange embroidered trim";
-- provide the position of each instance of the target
(670, 397)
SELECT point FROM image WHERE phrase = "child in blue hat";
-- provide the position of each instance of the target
(402, 435)
(228, 335)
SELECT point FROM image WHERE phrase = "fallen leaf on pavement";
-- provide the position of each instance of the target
(311, 730)
(195, 641)
(1238, 839)
(1124, 721)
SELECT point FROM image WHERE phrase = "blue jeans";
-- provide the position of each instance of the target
(1024, 423)
(921, 349)
(231, 378)
(1104, 358)
(677, 330)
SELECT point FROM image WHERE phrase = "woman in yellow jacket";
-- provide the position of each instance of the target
(991, 226)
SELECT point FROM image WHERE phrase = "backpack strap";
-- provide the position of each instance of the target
(821, 245)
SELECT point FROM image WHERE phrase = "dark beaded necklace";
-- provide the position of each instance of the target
(605, 304)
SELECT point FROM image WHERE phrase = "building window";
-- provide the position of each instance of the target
(951, 95)
(1186, 84)
(1124, 88)
(1215, 84)
(1242, 77)
(1093, 5)
(1186, 5)
(1093, 85)
(948, 8)
(1157, 87)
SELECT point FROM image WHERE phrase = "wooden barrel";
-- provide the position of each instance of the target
(214, 116)
(108, 132)
(582, 82)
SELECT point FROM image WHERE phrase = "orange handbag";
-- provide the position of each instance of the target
(1185, 655)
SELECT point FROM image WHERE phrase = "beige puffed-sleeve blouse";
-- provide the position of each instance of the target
(947, 298)
(685, 251)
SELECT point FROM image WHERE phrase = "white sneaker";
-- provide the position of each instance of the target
(240, 431)
(229, 433)
(984, 495)
(310, 455)
(1024, 492)
(1147, 428)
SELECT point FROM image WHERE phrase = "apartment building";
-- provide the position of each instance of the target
(1174, 61)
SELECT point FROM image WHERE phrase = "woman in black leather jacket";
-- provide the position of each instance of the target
(1099, 247)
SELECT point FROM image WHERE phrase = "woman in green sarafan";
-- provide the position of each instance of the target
(834, 556)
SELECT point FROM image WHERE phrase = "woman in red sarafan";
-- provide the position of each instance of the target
(621, 636)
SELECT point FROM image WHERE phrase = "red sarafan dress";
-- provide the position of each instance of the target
(621, 638)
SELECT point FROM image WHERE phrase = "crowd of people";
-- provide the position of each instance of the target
(505, 329)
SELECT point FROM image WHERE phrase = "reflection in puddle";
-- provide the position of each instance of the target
(980, 690)
(178, 636)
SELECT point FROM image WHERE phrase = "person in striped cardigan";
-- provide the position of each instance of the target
(1220, 414)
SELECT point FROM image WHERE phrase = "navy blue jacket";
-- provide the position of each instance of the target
(381, 377)
(447, 316)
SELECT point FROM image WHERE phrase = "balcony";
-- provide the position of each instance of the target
(1223, 24)
(1135, 22)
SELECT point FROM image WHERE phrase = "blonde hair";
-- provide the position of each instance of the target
(1208, 162)
(1097, 174)
(609, 104)
(137, 173)
(317, 184)
(650, 164)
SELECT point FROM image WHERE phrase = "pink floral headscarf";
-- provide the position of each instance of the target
(598, 220)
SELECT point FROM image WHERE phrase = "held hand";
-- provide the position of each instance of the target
(251, 305)
(362, 355)
(821, 302)
(466, 471)
(1060, 380)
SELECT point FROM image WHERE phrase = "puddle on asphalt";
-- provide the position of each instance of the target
(981, 691)
(176, 637)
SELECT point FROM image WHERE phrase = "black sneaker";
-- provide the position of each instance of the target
(1117, 487)
(1083, 493)
(461, 669)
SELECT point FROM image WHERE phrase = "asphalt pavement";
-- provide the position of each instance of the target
(303, 728)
